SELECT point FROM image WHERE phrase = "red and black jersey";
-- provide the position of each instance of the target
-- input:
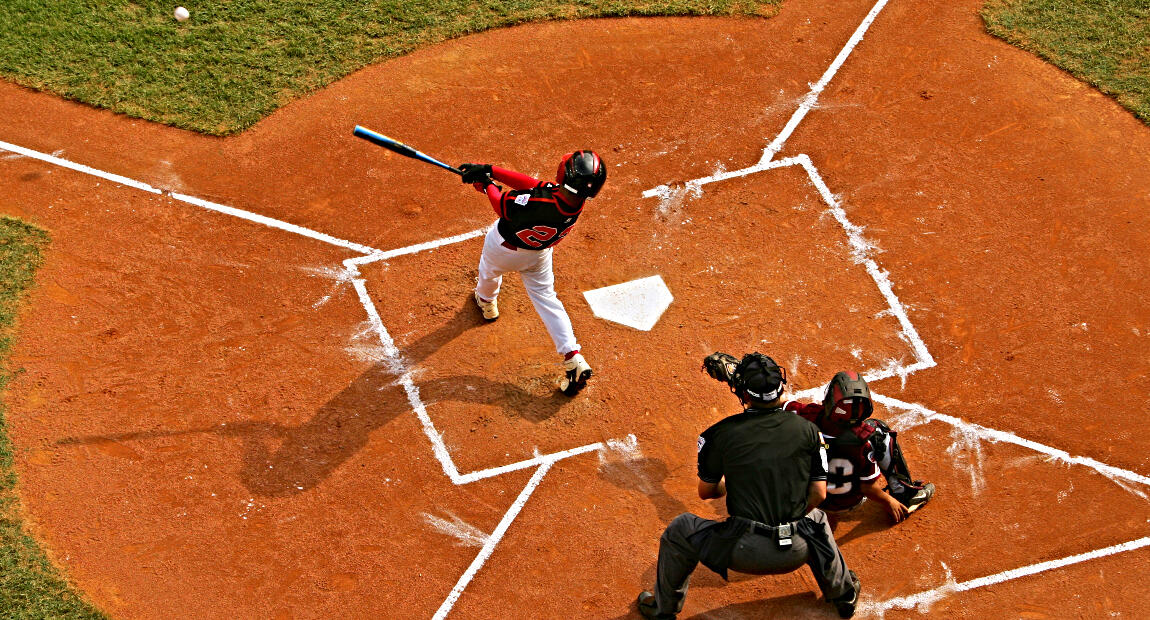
(851, 457)
(532, 216)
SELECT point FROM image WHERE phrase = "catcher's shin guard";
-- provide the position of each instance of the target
(576, 374)
(889, 454)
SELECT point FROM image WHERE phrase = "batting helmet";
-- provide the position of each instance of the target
(582, 173)
(758, 377)
(847, 401)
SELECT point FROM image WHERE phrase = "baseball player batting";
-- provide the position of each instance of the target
(533, 217)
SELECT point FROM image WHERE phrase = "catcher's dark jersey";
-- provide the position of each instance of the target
(852, 458)
(769, 459)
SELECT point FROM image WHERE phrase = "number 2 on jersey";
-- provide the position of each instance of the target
(537, 236)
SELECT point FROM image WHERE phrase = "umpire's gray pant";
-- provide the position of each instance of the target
(753, 553)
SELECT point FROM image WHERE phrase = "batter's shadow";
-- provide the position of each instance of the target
(514, 399)
(280, 460)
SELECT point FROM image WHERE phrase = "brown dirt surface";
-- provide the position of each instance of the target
(206, 424)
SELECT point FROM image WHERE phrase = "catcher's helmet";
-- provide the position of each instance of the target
(582, 173)
(847, 401)
(758, 377)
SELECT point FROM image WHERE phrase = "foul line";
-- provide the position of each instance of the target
(998, 436)
(192, 200)
(812, 97)
(808, 103)
(927, 598)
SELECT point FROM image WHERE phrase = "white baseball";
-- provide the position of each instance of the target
(181, 14)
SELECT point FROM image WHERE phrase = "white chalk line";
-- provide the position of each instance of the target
(394, 359)
(723, 176)
(420, 247)
(806, 105)
(492, 540)
(391, 352)
(812, 97)
(923, 600)
(861, 250)
(192, 200)
(998, 436)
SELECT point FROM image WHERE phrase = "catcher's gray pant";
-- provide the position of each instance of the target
(534, 267)
(755, 554)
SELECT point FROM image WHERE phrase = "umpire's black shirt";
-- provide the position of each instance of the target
(770, 457)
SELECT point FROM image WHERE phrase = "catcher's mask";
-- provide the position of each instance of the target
(847, 401)
(758, 377)
(582, 173)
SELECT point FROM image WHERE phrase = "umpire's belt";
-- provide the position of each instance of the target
(782, 534)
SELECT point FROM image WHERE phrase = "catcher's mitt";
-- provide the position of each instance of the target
(721, 367)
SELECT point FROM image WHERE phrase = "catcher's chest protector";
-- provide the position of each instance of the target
(849, 460)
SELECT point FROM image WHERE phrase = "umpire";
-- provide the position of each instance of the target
(772, 467)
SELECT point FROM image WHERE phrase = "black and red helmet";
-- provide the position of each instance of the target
(582, 173)
(847, 401)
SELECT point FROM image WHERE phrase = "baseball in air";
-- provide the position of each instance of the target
(181, 14)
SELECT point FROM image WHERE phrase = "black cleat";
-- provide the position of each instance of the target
(647, 606)
(846, 604)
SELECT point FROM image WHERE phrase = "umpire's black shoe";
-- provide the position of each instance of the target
(647, 606)
(916, 496)
(845, 604)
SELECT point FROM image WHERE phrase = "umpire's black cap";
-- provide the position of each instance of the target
(760, 378)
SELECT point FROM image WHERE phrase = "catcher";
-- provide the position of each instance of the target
(861, 447)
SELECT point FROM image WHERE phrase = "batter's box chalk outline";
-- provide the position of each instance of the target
(861, 253)
(915, 414)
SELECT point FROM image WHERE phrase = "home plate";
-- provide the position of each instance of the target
(638, 303)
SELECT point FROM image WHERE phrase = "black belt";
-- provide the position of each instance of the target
(782, 534)
(509, 246)
(771, 530)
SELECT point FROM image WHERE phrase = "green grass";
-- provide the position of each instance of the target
(236, 61)
(1105, 43)
(30, 587)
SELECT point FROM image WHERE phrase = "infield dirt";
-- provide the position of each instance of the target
(204, 426)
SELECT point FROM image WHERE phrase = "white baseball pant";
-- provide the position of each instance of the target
(534, 267)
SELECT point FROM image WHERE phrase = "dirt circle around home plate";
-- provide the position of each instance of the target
(209, 420)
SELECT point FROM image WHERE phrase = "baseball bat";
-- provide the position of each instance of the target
(399, 147)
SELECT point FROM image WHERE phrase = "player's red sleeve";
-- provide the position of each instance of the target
(495, 195)
(512, 179)
(809, 411)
